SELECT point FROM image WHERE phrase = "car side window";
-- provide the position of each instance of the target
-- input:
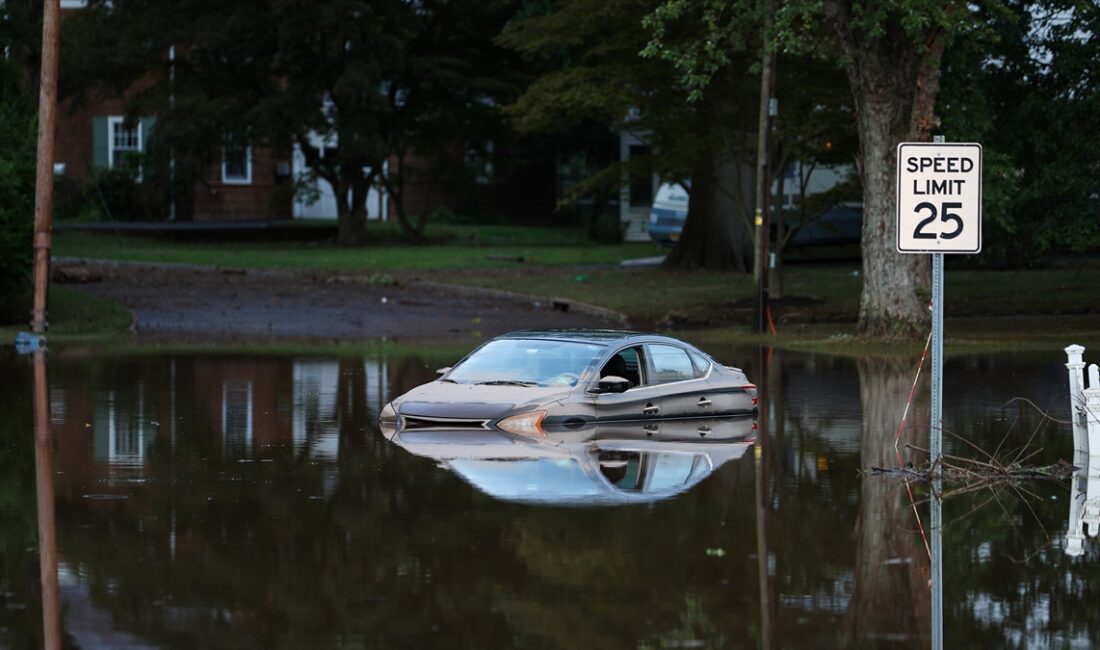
(626, 364)
(669, 364)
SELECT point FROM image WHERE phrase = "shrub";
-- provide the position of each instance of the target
(606, 229)
(17, 169)
(116, 195)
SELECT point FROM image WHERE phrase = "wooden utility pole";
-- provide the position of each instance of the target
(763, 165)
(43, 186)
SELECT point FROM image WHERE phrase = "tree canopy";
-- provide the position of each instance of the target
(591, 72)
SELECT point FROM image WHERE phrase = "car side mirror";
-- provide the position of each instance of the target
(612, 384)
(439, 372)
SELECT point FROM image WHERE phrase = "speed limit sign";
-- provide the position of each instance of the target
(939, 197)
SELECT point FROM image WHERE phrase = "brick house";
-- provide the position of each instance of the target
(253, 183)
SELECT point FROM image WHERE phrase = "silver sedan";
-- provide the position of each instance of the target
(530, 383)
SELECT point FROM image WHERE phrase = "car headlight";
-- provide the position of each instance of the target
(387, 421)
(653, 218)
(525, 424)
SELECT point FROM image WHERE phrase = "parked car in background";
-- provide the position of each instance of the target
(839, 225)
(666, 219)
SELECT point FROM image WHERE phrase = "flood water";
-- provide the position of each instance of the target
(223, 500)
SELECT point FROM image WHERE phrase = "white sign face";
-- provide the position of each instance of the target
(939, 197)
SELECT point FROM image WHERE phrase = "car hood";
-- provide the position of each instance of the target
(446, 400)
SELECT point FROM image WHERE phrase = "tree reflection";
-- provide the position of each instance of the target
(890, 597)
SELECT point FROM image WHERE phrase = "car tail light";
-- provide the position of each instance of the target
(751, 390)
(525, 424)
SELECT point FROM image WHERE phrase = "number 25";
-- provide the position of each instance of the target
(919, 233)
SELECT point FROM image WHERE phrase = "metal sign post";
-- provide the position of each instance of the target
(935, 434)
(939, 201)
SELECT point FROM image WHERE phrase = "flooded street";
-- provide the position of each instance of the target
(229, 500)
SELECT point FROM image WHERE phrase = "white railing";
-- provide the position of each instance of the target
(1084, 405)
(1084, 402)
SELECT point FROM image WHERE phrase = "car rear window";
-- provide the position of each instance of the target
(702, 364)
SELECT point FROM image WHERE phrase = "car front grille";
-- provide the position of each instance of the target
(421, 423)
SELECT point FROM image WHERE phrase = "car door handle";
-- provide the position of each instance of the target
(651, 410)
(704, 402)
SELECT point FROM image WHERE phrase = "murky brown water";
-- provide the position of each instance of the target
(240, 501)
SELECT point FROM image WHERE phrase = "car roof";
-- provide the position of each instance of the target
(596, 336)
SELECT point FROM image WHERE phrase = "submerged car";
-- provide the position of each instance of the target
(530, 383)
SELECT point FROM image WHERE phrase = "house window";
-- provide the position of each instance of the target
(125, 143)
(236, 165)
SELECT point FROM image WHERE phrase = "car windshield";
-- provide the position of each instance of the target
(526, 362)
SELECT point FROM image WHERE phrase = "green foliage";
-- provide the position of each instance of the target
(17, 171)
(1026, 88)
(700, 38)
(588, 51)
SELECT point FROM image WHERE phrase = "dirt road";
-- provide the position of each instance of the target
(187, 302)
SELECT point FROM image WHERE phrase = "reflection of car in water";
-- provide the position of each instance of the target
(592, 465)
(840, 224)
(527, 383)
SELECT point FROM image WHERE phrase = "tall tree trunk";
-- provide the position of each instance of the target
(890, 596)
(351, 219)
(714, 236)
(394, 184)
(894, 80)
(352, 189)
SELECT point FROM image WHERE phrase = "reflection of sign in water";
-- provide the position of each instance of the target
(1084, 503)
(595, 465)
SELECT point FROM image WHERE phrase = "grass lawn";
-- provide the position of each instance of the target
(1003, 309)
(448, 247)
(75, 316)
(1036, 309)
(653, 294)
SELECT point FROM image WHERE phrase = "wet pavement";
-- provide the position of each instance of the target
(229, 500)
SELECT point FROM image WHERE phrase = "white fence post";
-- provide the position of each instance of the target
(1076, 366)
(1092, 410)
